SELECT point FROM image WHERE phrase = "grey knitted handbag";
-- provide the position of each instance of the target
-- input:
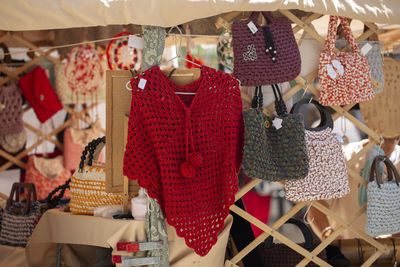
(383, 208)
(274, 148)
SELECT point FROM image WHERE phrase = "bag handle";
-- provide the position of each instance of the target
(391, 169)
(280, 106)
(266, 14)
(332, 30)
(326, 118)
(258, 98)
(94, 148)
(51, 201)
(15, 191)
(307, 234)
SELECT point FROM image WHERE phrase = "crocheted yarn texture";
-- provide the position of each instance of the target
(348, 81)
(186, 150)
(272, 154)
(327, 177)
(10, 110)
(255, 60)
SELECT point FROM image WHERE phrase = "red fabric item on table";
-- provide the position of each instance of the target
(166, 129)
(39, 93)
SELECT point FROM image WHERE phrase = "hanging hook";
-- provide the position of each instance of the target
(306, 89)
(380, 144)
(305, 215)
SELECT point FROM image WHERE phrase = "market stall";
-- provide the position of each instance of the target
(120, 121)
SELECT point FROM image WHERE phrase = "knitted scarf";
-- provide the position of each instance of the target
(186, 150)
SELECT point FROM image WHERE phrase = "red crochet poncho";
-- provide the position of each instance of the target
(186, 150)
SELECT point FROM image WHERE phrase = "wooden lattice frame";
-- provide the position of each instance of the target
(14, 75)
(302, 83)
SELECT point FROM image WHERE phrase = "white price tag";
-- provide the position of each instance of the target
(142, 83)
(365, 49)
(252, 27)
(277, 122)
(135, 42)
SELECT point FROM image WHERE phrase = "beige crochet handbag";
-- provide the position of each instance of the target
(382, 113)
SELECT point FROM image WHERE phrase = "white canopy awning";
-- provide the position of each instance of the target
(18, 15)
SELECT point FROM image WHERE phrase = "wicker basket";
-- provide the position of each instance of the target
(88, 183)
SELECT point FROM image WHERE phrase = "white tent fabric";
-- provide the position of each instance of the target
(18, 15)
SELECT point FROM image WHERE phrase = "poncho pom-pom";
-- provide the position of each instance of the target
(196, 159)
(188, 170)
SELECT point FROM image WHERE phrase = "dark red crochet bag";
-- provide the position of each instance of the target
(39, 93)
(280, 255)
(268, 56)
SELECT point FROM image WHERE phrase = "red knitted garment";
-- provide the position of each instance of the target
(186, 150)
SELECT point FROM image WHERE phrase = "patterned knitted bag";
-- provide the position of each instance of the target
(10, 110)
(88, 183)
(37, 89)
(268, 56)
(46, 174)
(327, 176)
(345, 77)
(383, 208)
(374, 58)
(274, 148)
(280, 255)
(19, 218)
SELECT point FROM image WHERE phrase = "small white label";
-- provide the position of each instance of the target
(252, 27)
(135, 42)
(365, 49)
(338, 66)
(142, 83)
(277, 122)
(331, 71)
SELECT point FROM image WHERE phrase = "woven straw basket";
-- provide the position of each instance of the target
(88, 183)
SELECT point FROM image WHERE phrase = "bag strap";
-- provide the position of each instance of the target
(266, 14)
(94, 148)
(15, 191)
(326, 118)
(391, 169)
(51, 201)
(332, 30)
(258, 98)
(280, 106)
(307, 234)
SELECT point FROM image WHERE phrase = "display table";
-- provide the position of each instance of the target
(56, 227)
(12, 256)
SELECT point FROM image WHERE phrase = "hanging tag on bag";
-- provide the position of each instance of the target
(277, 122)
(135, 42)
(142, 83)
(252, 27)
(366, 48)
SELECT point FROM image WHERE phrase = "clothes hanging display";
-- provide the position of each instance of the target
(383, 198)
(10, 110)
(345, 77)
(187, 151)
(46, 174)
(280, 255)
(19, 218)
(274, 148)
(88, 182)
(36, 87)
(327, 176)
(265, 54)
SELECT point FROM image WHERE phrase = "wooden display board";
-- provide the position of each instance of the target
(118, 105)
